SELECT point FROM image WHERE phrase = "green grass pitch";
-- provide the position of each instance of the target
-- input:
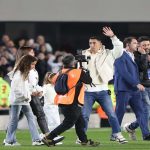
(101, 135)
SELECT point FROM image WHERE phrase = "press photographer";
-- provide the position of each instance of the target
(71, 102)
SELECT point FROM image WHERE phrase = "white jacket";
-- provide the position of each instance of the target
(105, 60)
(49, 94)
(19, 92)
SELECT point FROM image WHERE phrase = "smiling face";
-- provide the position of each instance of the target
(145, 45)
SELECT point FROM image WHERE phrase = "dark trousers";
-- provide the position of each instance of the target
(72, 116)
(39, 113)
(134, 99)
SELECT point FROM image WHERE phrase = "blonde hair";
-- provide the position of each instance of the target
(48, 77)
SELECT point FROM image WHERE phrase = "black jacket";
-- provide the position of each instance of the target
(144, 68)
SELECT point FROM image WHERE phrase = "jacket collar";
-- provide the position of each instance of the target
(129, 58)
(100, 51)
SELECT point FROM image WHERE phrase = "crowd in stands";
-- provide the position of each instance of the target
(47, 59)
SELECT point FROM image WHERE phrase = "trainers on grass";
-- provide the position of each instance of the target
(37, 143)
(78, 141)
(11, 144)
(52, 142)
(132, 134)
(121, 139)
(90, 143)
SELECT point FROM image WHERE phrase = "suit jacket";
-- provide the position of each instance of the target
(126, 75)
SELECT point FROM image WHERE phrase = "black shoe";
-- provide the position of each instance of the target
(90, 143)
(52, 142)
(147, 138)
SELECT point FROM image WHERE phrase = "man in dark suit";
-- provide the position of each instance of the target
(127, 86)
(142, 58)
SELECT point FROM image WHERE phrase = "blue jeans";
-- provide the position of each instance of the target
(146, 101)
(146, 107)
(13, 123)
(104, 100)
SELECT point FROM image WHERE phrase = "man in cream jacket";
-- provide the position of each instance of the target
(101, 70)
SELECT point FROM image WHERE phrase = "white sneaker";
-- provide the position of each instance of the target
(8, 144)
(11, 144)
(4, 141)
(119, 138)
(37, 143)
(78, 141)
(59, 143)
(132, 134)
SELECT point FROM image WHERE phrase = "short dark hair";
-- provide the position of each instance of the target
(143, 38)
(68, 60)
(95, 38)
(128, 40)
(23, 50)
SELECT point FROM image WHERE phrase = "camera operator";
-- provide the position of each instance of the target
(101, 70)
(72, 102)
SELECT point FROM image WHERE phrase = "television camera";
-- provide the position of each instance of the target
(81, 58)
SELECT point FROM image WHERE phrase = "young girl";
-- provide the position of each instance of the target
(20, 96)
(50, 109)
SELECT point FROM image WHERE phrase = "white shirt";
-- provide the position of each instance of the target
(33, 80)
(131, 55)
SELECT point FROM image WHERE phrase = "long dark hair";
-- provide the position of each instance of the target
(24, 65)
